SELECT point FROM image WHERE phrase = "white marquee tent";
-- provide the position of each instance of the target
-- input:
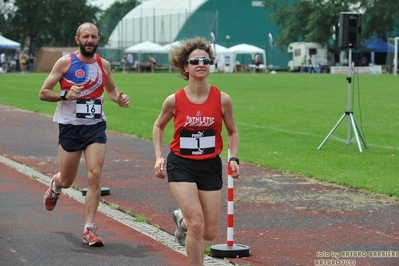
(146, 47)
(218, 49)
(246, 49)
(170, 45)
(8, 44)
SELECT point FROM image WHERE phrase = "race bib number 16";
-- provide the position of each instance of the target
(88, 108)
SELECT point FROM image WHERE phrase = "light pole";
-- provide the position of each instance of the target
(227, 39)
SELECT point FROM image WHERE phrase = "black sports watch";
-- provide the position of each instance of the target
(235, 159)
(63, 94)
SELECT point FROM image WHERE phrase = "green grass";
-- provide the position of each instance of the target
(282, 120)
(139, 218)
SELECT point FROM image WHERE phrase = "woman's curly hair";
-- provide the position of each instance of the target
(178, 54)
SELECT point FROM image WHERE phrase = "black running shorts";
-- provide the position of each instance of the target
(207, 174)
(77, 138)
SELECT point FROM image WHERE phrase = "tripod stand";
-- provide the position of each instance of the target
(351, 119)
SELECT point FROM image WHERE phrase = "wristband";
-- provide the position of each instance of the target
(234, 159)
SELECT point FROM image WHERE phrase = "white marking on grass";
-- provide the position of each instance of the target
(310, 135)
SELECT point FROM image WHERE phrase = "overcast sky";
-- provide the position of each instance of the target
(103, 4)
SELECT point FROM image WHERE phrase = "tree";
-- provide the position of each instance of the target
(310, 20)
(113, 15)
(386, 13)
(37, 23)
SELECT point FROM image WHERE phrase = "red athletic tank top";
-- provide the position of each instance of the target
(198, 127)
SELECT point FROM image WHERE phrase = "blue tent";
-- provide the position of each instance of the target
(8, 44)
(378, 46)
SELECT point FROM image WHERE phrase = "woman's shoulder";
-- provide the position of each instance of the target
(170, 101)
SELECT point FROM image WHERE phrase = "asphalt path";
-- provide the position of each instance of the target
(283, 219)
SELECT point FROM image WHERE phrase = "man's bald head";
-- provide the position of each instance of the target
(86, 24)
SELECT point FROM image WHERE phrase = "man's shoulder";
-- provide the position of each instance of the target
(104, 62)
(65, 58)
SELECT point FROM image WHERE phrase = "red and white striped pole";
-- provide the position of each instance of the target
(230, 250)
(230, 202)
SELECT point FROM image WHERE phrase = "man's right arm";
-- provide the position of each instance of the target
(47, 92)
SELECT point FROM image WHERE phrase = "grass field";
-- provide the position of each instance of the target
(282, 120)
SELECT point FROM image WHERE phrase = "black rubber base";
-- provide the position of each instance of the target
(234, 251)
(104, 191)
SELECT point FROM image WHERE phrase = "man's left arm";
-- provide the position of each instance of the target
(114, 94)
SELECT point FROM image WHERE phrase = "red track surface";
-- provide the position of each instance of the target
(285, 220)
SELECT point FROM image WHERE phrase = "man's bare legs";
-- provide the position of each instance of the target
(95, 156)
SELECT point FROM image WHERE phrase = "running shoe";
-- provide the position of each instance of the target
(90, 237)
(180, 233)
(50, 197)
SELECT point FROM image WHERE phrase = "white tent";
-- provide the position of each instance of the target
(170, 45)
(8, 44)
(146, 47)
(220, 52)
(247, 49)
(218, 49)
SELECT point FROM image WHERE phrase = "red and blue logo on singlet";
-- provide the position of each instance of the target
(91, 76)
(80, 73)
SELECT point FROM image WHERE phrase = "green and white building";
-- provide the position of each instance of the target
(233, 22)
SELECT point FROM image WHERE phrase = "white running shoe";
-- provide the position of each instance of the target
(180, 233)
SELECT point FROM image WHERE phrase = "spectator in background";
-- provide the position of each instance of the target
(152, 62)
(23, 61)
(310, 64)
(129, 60)
(3, 62)
(215, 62)
(304, 68)
(31, 62)
(11, 63)
(136, 65)
(364, 60)
(124, 62)
(257, 62)
(16, 58)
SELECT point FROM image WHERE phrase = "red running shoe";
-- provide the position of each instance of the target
(50, 197)
(90, 237)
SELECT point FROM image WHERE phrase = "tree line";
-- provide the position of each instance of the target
(37, 23)
(318, 20)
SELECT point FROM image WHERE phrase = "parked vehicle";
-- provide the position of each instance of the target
(309, 56)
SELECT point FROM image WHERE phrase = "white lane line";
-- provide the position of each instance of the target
(144, 228)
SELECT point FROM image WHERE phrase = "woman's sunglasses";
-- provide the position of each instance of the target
(195, 61)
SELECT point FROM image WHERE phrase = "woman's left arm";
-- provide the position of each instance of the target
(232, 131)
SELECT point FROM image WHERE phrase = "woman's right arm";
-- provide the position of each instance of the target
(167, 112)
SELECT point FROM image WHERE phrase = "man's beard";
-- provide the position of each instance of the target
(87, 53)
